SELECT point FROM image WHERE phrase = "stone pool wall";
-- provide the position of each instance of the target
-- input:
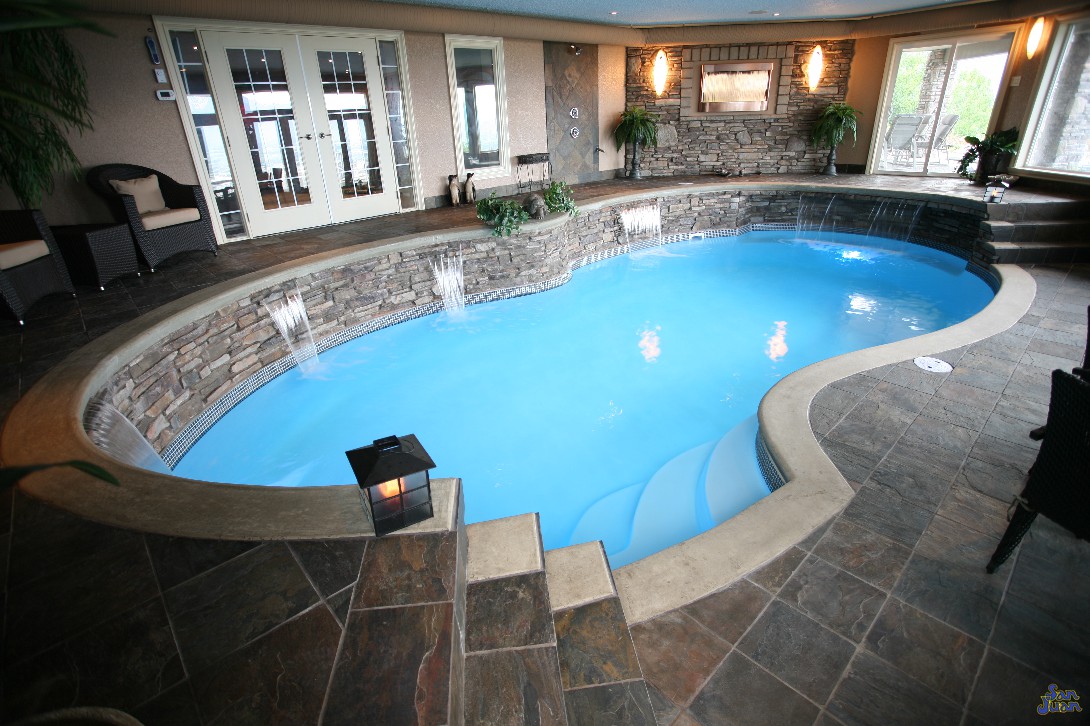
(170, 384)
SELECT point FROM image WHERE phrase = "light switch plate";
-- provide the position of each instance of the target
(160, 75)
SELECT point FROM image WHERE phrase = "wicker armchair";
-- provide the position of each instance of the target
(28, 275)
(1058, 485)
(156, 245)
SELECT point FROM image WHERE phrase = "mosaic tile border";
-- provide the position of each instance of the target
(200, 425)
(770, 471)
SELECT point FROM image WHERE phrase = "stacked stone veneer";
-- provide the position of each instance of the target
(169, 385)
(772, 142)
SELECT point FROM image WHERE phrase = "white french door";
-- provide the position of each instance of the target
(307, 133)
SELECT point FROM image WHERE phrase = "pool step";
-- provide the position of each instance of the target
(731, 479)
(545, 632)
(667, 511)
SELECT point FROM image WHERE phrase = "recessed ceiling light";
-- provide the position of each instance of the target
(612, 12)
(775, 15)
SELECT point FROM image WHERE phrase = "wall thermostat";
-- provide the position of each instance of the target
(165, 94)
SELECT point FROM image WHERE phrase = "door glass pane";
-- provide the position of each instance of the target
(351, 123)
(917, 90)
(940, 94)
(1060, 141)
(187, 54)
(477, 104)
(395, 108)
(261, 87)
(966, 108)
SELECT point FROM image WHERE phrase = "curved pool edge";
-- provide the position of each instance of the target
(815, 490)
(45, 425)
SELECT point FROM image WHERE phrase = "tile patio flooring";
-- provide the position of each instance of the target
(885, 616)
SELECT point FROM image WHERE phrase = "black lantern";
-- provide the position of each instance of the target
(995, 189)
(394, 484)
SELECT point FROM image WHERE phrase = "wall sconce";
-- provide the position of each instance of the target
(394, 484)
(1033, 42)
(814, 68)
(575, 49)
(659, 71)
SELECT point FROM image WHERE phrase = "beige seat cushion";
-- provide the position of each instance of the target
(170, 217)
(14, 254)
(145, 192)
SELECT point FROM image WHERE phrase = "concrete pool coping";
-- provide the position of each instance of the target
(46, 425)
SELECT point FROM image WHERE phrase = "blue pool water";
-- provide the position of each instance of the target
(614, 405)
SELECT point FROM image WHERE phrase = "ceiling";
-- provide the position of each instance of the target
(648, 13)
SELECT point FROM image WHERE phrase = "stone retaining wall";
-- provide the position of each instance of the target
(776, 141)
(167, 386)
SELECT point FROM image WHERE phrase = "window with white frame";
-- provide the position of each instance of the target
(1058, 135)
(478, 105)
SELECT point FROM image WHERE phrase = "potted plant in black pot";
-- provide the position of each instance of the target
(832, 125)
(637, 127)
(992, 154)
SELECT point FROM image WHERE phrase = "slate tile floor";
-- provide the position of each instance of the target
(883, 616)
(886, 615)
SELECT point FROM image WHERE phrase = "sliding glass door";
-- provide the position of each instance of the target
(936, 94)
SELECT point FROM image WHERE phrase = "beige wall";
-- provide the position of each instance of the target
(427, 61)
(864, 87)
(130, 124)
(611, 69)
(524, 62)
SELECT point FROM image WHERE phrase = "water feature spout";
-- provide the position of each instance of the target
(451, 282)
(641, 220)
(110, 431)
(290, 318)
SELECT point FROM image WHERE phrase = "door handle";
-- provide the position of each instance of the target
(308, 137)
(323, 134)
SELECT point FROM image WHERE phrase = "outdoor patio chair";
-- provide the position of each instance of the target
(165, 217)
(946, 125)
(1058, 485)
(31, 265)
(902, 134)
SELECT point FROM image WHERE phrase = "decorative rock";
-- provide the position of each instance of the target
(744, 138)
(667, 134)
(796, 144)
(535, 205)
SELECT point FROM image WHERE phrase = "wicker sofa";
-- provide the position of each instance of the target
(157, 243)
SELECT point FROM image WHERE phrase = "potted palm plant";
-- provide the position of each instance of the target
(832, 125)
(44, 88)
(637, 127)
(992, 155)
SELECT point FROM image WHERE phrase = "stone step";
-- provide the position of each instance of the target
(1052, 230)
(529, 659)
(1041, 252)
(1022, 211)
(578, 575)
(600, 673)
